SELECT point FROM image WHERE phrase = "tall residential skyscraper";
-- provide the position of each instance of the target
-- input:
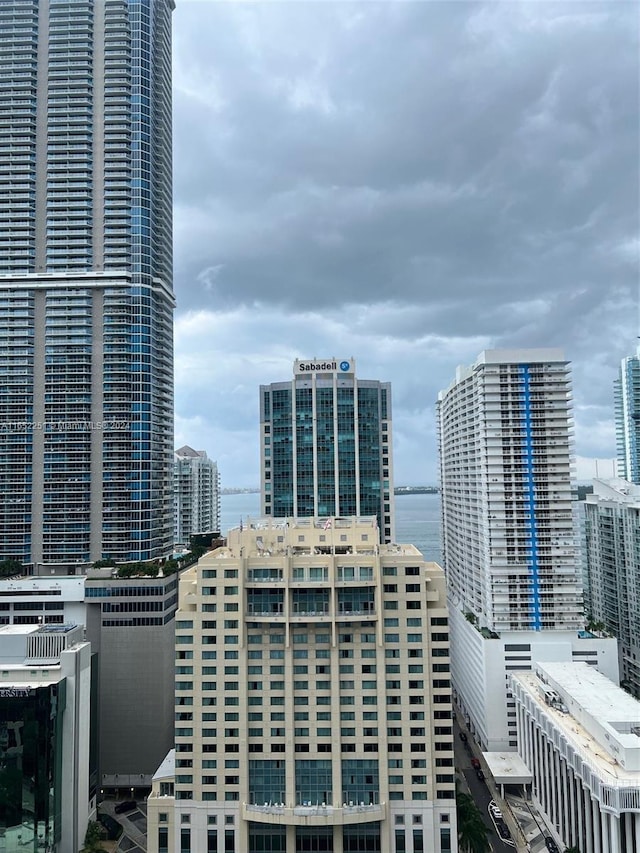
(326, 445)
(509, 531)
(196, 494)
(626, 391)
(312, 697)
(86, 362)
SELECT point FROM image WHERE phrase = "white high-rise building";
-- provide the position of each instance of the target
(509, 531)
(196, 494)
(627, 412)
(313, 700)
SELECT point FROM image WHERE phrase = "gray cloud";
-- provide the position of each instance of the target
(405, 173)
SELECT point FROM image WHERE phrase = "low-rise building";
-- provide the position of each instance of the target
(579, 735)
(47, 764)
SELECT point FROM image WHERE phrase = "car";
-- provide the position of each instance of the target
(494, 810)
(126, 806)
(463, 737)
(475, 763)
(480, 775)
(551, 844)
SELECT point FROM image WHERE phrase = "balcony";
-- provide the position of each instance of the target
(314, 815)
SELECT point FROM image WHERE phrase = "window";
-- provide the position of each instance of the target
(185, 839)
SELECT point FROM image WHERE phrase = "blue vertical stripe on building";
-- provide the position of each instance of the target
(536, 623)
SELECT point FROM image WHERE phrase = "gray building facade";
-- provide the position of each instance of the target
(131, 624)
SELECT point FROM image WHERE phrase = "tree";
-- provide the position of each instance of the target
(93, 838)
(574, 849)
(10, 567)
(473, 835)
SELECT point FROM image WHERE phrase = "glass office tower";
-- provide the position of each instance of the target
(626, 390)
(86, 301)
(326, 445)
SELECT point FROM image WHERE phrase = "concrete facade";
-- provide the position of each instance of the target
(313, 700)
(47, 668)
(130, 622)
(484, 664)
(579, 735)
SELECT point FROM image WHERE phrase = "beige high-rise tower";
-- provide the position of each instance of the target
(313, 702)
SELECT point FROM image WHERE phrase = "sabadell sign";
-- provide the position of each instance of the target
(327, 366)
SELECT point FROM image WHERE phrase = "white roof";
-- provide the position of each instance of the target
(507, 768)
(18, 630)
(600, 721)
(167, 769)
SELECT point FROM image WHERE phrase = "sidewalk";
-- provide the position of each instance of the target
(510, 818)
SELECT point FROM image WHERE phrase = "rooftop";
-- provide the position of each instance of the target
(168, 767)
(17, 630)
(599, 720)
(614, 489)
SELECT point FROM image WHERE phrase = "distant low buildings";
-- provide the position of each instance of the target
(47, 725)
(196, 495)
(579, 735)
(312, 697)
(612, 534)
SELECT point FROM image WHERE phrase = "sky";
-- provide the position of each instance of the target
(407, 184)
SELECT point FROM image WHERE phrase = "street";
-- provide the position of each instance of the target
(476, 788)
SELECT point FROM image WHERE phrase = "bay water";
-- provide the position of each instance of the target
(417, 519)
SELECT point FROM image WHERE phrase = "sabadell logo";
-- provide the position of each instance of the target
(323, 366)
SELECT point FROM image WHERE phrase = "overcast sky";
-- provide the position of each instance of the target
(407, 183)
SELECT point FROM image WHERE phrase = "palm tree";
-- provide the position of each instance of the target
(473, 835)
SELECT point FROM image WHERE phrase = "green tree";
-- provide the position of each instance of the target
(10, 567)
(574, 849)
(93, 838)
(104, 564)
(473, 835)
